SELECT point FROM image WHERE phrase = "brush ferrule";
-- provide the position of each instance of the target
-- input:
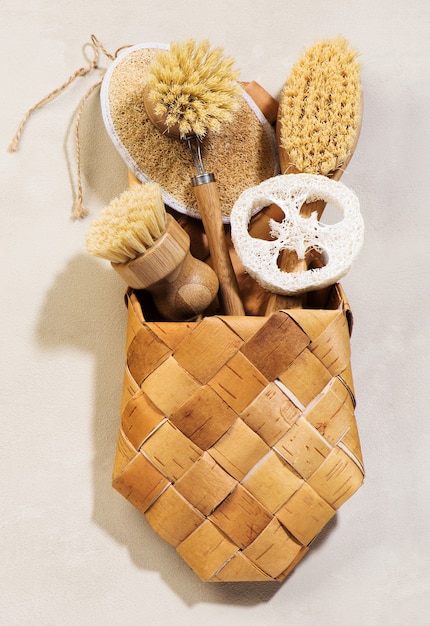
(203, 179)
(194, 144)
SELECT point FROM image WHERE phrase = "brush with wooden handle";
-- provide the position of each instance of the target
(192, 90)
(151, 251)
(318, 125)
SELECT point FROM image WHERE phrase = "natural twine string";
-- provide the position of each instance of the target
(79, 210)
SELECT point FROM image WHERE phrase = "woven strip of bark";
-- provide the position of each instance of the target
(238, 438)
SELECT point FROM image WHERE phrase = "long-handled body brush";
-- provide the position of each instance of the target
(151, 251)
(318, 125)
(192, 90)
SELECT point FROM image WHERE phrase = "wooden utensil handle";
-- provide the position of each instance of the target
(187, 292)
(208, 203)
(182, 286)
(267, 104)
(278, 301)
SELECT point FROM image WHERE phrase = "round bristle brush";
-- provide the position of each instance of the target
(151, 251)
(192, 90)
(318, 125)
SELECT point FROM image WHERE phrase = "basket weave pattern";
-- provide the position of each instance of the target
(238, 439)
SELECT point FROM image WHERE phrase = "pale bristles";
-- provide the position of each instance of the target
(129, 225)
(320, 107)
(193, 87)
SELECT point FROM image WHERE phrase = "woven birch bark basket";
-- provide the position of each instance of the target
(238, 439)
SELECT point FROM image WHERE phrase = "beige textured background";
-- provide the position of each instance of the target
(72, 550)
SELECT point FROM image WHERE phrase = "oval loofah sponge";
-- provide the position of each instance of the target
(340, 243)
(320, 108)
(241, 155)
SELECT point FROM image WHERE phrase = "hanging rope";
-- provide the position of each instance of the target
(79, 210)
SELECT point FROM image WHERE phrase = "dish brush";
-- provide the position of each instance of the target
(191, 91)
(151, 251)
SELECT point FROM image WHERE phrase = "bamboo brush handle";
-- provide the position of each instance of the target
(208, 203)
(182, 287)
(193, 288)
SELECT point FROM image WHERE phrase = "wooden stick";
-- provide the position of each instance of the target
(208, 202)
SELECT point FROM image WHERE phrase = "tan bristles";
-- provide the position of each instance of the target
(193, 88)
(320, 107)
(129, 225)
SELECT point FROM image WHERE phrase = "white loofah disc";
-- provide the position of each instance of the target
(340, 243)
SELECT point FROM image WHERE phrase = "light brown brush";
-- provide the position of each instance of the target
(318, 126)
(191, 90)
(151, 251)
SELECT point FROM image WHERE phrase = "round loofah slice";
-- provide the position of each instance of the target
(241, 155)
(339, 243)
